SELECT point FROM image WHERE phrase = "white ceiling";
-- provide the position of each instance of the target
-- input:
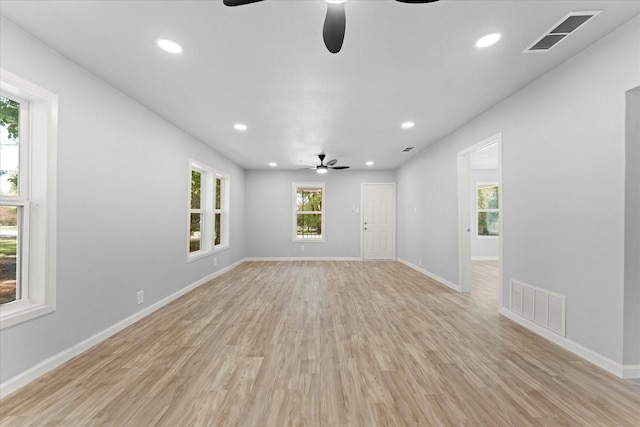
(265, 65)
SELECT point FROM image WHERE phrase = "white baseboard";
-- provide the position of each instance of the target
(431, 275)
(484, 258)
(31, 374)
(617, 369)
(303, 259)
(630, 372)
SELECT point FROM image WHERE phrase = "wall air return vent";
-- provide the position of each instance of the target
(561, 30)
(407, 149)
(545, 308)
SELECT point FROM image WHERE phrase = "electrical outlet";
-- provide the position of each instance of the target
(302, 247)
(215, 261)
(420, 261)
(140, 297)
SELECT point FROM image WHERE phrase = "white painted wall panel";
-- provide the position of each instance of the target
(564, 228)
(269, 212)
(122, 200)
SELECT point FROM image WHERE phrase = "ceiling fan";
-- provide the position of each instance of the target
(334, 22)
(322, 168)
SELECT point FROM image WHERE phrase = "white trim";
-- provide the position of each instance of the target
(41, 232)
(24, 378)
(429, 274)
(630, 372)
(207, 210)
(485, 258)
(303, 259)
(617, 369)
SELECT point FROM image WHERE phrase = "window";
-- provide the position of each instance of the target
(487, 210)
(308, 208)
(208, 211)
(27, 200)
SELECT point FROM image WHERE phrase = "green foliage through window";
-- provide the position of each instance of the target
(309, 212)
(9, 146)
(487, 208)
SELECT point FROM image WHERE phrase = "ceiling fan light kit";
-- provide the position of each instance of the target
(334, 22)
(323, 168)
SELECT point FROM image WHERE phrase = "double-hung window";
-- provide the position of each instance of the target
(208, 210)
(487, 206)
(28, 123)
(308, 212)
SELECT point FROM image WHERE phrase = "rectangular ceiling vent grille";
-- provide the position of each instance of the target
(407, 149)
(561, 30)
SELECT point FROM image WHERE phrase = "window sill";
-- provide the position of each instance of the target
(308, 240)
(487, 237)
(19, 312)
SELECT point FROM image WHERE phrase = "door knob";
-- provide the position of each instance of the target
(365, 228)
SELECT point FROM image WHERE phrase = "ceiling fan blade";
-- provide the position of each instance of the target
(310, 164)
(334, 27)
(339, 167)
(239, 2)
(332, 162)
(416, 1)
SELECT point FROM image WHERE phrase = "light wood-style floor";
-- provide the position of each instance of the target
(326, 344)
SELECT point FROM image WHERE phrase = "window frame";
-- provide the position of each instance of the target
(480, 185)
(225, 182)
(36, 198)
(302, 185)
(208, 211)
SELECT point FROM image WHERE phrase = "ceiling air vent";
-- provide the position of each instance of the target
(407, 149)
(561, 30)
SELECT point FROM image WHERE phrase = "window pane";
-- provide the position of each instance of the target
(309, 200)
(196, 186)
(218, 185)
(488, 197)
(8, 253)
(217, 229)
(194, 232)
(9, 147)
(487, 223)
(309, 226)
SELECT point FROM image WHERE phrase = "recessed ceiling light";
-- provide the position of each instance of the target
(240, 126)
(370, 163)
(273, 164)
(169, 46)
(407, 125)
(488, 40)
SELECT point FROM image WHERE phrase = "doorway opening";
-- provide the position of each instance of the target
(480, 218)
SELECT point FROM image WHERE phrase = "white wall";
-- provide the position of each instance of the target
(122, 202)
(481, 248)
(269, 212)
(563, 229)
(632, 232)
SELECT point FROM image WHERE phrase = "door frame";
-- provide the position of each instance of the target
(394, 228)
(464, 214)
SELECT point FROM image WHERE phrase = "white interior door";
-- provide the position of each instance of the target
(378, 221)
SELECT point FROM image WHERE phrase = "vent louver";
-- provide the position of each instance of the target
(561, 30)
(407, 149)
(545, 308)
